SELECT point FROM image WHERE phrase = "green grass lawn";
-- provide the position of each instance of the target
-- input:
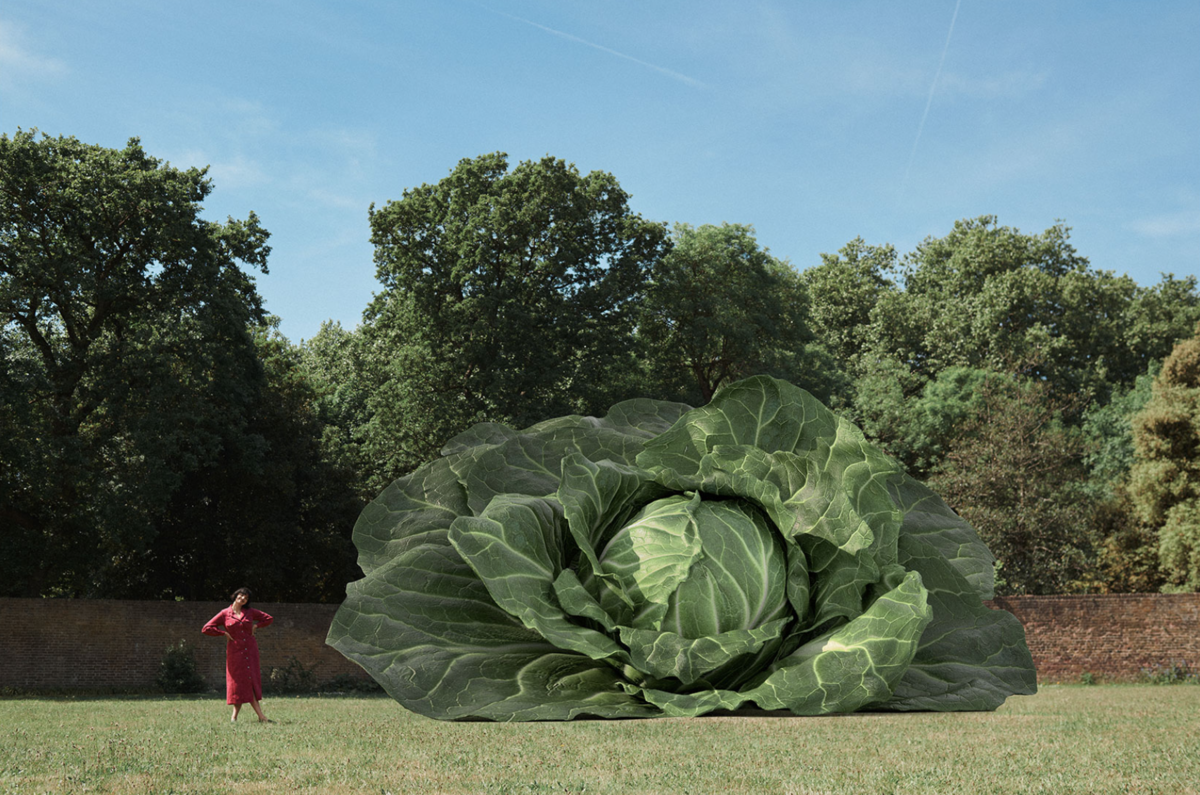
(1067, 739)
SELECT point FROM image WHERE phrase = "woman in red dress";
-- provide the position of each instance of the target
(243, 679)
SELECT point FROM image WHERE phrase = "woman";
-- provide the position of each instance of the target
(243, 679)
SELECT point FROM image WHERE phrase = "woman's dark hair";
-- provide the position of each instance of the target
(246, 591)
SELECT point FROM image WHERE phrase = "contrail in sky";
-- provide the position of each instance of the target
(676, 75)
(928, 102)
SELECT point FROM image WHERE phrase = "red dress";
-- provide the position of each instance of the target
(243, 679)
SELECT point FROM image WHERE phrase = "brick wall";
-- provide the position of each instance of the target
(102, 643)
(1111, 636)
(90, 644)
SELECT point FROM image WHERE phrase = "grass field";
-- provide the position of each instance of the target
(1067, 739)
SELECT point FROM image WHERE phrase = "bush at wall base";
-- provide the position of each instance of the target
(292, 679)
(177, 672)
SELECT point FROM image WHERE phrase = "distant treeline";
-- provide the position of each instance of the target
(159, 438)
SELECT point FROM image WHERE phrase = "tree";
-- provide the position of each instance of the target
(1127, 559)
(507, 296)
(1127, 553)
(1014, 472)
(123, 323)
(268, 508)
(920, 429)
(1164, 482)
(1108, 430)
(1158, 317)
(719, 308)
(987, 299)
(990, 297)
(843, 291)
(337, 364)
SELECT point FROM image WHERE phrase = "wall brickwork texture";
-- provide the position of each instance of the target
(1111, 636)
(94, 644)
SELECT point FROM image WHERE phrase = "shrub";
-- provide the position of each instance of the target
(177, 672)
(294, 677)
(1173, 673)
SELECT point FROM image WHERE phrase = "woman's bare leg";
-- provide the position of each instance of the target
(236, 709)
(254, 702)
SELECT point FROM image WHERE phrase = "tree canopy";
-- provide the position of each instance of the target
(507, 296)
(844, 290)
(717, 308)
(1165, 477)
(925, 339)
(990, 296)
(154, 423)
(1014, 471)
(131, 367)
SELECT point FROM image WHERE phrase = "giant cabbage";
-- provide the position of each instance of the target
(662, 560)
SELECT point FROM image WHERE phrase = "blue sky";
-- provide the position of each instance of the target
(816, 122)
